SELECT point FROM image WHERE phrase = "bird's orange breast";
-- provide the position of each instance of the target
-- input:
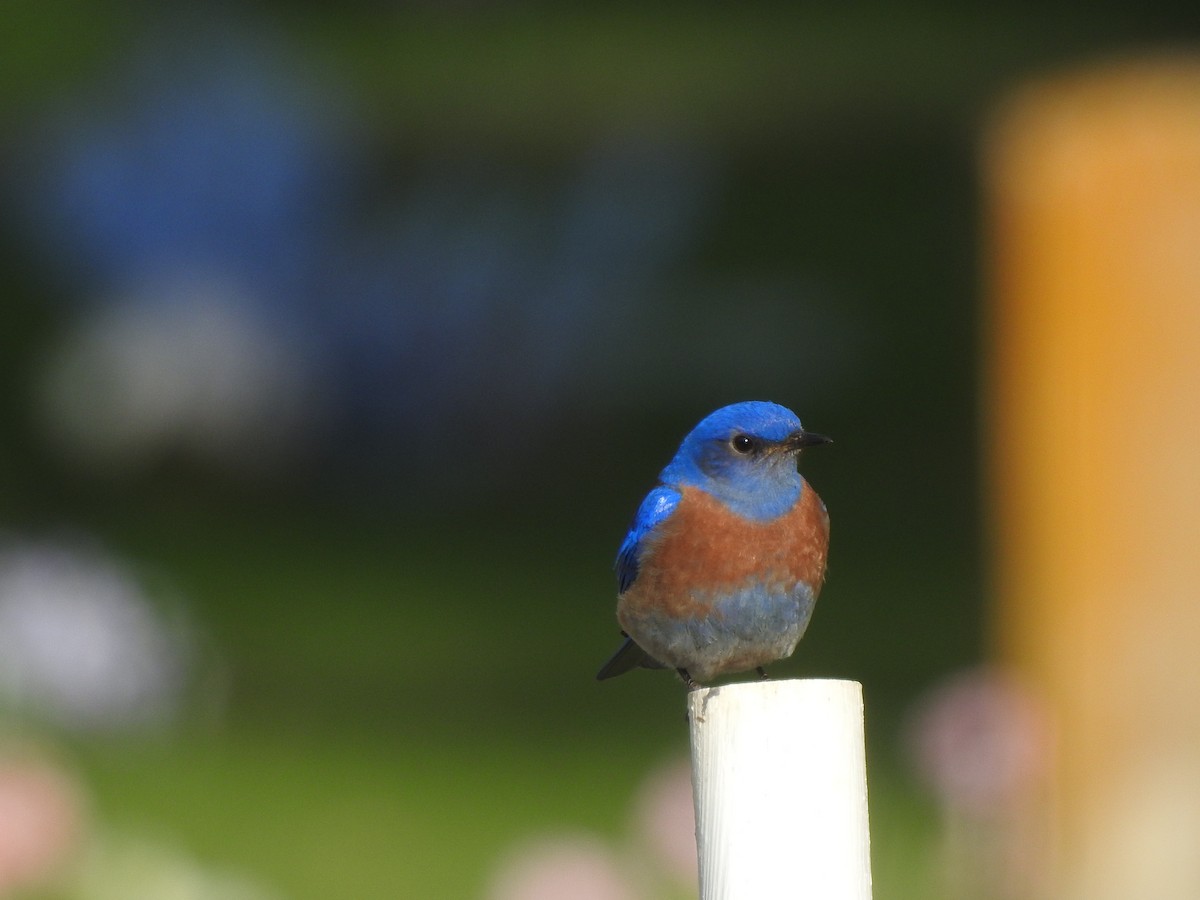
(704, 550)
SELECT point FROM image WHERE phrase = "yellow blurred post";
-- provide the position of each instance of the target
(1094, 434)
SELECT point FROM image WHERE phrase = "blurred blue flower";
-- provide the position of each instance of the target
(464, 298)
(206, 153)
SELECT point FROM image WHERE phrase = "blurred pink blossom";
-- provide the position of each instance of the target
(984, 745)
(577, 867)
(41, 817)
(978, 739)
(665, 821)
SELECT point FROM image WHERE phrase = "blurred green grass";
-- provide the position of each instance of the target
(334, 814)
(322, 816)
(405, 705)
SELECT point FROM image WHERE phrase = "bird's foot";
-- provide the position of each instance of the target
(691, 683)
(762, 673)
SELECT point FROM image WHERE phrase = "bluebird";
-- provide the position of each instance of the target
(722, 565)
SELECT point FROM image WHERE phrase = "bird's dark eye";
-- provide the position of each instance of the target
(743, 443)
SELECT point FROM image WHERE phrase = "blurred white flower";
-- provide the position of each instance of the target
(179, 364)
(80, 643)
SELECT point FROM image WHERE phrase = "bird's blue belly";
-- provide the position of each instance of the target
(729, 632)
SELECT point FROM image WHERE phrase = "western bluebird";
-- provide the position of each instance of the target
(722, 565)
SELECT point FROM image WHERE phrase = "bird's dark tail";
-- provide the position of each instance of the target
(628, 656)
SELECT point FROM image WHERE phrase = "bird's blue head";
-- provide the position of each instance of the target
(745, 455)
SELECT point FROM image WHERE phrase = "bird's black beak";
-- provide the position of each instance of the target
(800, 439)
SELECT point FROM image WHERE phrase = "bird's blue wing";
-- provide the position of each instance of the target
(657, 506)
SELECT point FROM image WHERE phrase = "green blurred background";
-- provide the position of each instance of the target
(349, 340)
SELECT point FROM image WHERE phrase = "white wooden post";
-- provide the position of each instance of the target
(779, 774)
